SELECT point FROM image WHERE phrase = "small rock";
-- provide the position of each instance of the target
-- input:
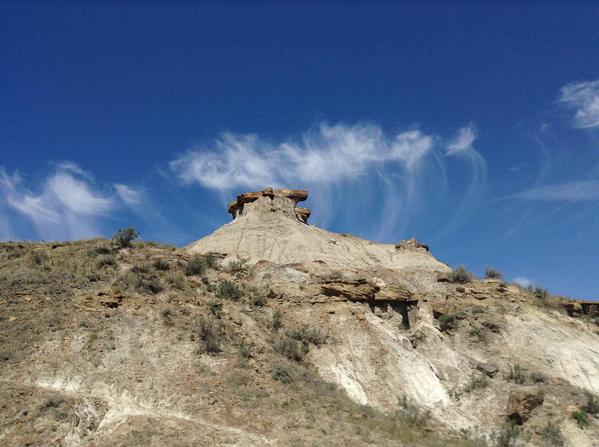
(12, 318)
(487, 369)
(460, 289)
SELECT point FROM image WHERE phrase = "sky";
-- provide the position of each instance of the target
(472, 126)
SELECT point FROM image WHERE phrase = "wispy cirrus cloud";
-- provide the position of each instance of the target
(129, 195)
(583, 98)
(463, 141)
(67, 205)
(397, 172)
(326, 155)
(574, 191)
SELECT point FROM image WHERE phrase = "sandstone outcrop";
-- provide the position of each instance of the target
(358, 290)
(411, 244)
(278, 197)
(580, 308)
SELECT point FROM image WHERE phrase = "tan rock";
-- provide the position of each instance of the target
(411, 244)
(393, 293)
(487, 369)
(521, 403)
(303, 214)
(352, 290)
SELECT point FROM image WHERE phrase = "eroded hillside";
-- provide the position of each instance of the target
(266, 333)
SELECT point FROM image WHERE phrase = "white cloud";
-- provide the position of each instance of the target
(327, 155)
(347, 168)
(575, 191)
(463, 140)
(522, 281)
(583, 97)
(68, 204)
(131, 196)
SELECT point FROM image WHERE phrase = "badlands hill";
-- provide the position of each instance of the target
(271, 331)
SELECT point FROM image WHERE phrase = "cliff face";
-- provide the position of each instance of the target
(271, 331)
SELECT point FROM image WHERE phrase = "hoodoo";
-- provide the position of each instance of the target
(268, 226)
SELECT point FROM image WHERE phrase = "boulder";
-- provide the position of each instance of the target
(521, 403)
(411, 244)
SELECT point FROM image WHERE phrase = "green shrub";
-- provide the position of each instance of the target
(507, 437)
(536, 377)
(553, 435)
(228, 290)
(195, 266)
(282, 374)
(277, 320)
(257, 299)
(216, 308)
(541, 293)
(516, 374)
(236, 266)
(211, 261)
(290, 348)
(124, 237)
(106, 260)
(305, 335)
(243, 353)
(176, 280)
(491, 273)
(142, 282)
(161, 264)
(209, 337)
(447, 322)
(411, 414)
(477, 334)
(581, 417)
(140, 268)
(148, 283)
(101, 250)
(40, 258)
(460, 275)
(167, 316)
(477, 382)
(592, 405)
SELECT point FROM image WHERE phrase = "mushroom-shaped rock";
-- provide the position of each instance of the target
(283, 200)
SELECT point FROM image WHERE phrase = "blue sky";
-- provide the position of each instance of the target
(472, 126)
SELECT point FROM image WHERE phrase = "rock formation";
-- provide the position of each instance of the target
(267, 225)
(281, 200)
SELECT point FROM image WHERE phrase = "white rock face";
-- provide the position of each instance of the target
(268, 229)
